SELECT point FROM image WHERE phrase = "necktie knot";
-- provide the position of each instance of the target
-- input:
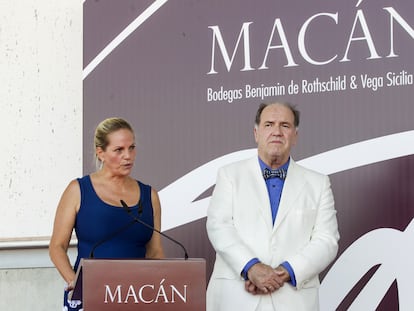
(280, 173)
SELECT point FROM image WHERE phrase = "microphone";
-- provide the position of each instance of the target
(136, 219)
(109, 237)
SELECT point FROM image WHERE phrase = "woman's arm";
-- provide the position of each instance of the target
(62, 231)
(154, 246)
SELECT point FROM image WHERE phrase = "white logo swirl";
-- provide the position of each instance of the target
(393, 250)
(179, 204)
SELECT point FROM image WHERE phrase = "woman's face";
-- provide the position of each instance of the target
(120, 153)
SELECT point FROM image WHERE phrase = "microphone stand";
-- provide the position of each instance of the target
(136, 219)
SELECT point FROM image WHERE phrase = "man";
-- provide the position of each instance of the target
(273, 232)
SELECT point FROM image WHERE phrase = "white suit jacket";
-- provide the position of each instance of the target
(239, 226)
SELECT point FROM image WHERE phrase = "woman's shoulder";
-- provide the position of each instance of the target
(74, 183)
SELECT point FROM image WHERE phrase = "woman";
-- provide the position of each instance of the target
(91, 205)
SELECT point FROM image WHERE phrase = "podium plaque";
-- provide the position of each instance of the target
(123, 284)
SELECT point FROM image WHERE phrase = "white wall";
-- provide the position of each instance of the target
(41, 126)
(31, 289)
(41, 109)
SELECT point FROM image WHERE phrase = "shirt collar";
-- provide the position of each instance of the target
(263, 165)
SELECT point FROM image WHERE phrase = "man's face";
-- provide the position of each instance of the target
(275, 135)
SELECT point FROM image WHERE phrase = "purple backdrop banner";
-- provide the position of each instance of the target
(189, 76)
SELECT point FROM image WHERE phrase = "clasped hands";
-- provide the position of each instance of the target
(264, 279)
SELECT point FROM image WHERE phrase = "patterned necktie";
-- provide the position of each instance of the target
(280, 173)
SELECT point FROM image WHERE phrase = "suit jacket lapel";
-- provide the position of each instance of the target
(293, 184)
(262, 197)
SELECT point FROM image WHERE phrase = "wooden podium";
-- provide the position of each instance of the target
(164, 284)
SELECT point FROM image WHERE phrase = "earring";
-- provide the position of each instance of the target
(101, 164)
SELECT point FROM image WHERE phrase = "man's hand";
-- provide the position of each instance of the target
(283, 273)
(263, 279)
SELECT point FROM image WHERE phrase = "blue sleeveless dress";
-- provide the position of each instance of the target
(107, 231)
